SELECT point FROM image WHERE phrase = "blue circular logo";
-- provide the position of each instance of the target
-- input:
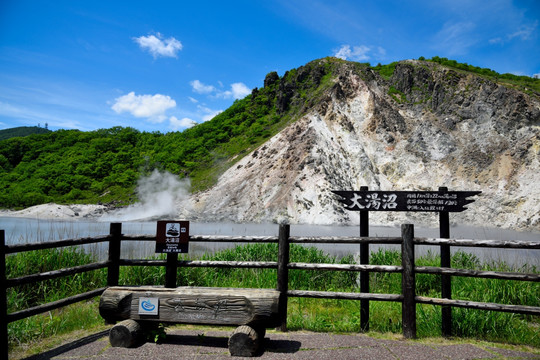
(147, 306)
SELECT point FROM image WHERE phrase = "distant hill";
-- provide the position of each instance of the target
(22, 131)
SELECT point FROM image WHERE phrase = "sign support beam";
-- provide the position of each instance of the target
(364, 260)
(446, 280)
(441, 201)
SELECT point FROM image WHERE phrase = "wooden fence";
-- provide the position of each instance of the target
(408, 297)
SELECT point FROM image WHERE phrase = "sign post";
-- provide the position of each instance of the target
(172, 237)
(446, 280)
(364, 260)
(442, 201)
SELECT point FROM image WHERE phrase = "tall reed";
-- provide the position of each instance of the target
(29, 295)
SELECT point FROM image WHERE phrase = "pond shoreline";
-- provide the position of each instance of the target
(20, 230)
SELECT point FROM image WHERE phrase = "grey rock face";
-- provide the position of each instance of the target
(425, 127)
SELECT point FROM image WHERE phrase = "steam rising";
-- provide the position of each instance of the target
(158, 193)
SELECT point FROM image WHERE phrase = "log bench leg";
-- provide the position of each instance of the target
(244, 341)
(126, 333)
(261, 331)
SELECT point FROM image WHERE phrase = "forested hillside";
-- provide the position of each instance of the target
(70, 166)
(102, 166)
(22, 131)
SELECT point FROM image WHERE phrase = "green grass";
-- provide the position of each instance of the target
(303, 314)
(56, 322)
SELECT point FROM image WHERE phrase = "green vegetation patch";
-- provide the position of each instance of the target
(397, 95)
(22, 131)
(526, 84)
(386, 71)
(102, 166)
(303, 313)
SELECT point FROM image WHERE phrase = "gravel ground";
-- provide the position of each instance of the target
(204, 344)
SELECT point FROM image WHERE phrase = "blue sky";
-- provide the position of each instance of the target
(166, 65)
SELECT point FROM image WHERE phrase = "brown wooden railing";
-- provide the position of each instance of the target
(408, 297)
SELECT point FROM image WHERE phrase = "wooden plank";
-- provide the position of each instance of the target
(142, 262)
(171, 270)
(222, 238)
(230, 264)
(194, 305)
(204, 263)
(11, 249)
(517, 309)
(346, 267)
(364, 260)
(479, 273)
(18, 315)
(344, 240)
(209, 238)
(505, 244)
(408, 282)
(3, 298)
(446, 280)
(344, 295)
(283, 273)
(28, 279)
(113, 272)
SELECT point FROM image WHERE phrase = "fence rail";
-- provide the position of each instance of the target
(408, 297)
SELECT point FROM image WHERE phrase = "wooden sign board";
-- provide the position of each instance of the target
(172, 236)
(416, 201)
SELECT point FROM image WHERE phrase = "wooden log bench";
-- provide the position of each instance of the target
(138, 308)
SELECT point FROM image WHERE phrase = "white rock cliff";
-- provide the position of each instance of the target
(425, 127)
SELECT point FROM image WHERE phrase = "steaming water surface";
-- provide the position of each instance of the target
(24, 230)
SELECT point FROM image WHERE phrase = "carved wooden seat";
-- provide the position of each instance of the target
(252, 310)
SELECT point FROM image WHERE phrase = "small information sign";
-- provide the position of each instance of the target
(148, 306)
(172, 236)
(417, 201)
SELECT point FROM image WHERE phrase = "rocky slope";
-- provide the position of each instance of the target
(425, 126)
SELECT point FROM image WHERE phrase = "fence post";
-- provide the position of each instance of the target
(408, 282)
(171, 270)
(113, 271)
(446, 280)
(364, 260)
(283, 273)
(3, 297)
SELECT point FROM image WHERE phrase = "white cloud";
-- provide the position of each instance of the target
(23, 115)
(208, 113)
(238, 90)
(523, 33)
(455, 38)
(357, 53)
(381, 52)
(184, 123)
(211, 115)
(157, 46)
(152, 107)
(193, 100)
(201, 88)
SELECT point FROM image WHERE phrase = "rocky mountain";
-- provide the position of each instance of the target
(419, 127)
